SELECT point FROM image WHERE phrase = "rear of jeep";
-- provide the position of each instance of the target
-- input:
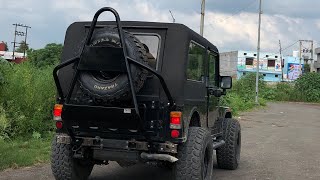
(121, 95)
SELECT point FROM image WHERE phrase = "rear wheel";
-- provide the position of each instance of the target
(228, 155)
(65, 167)
(195, 156)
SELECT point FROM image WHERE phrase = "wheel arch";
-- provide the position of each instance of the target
(225, 112)
(193, 118)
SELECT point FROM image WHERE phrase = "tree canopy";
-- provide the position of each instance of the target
(49, 55)
(22, 47)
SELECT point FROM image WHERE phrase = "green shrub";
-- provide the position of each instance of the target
(307, 87)
(27, 96)
(242, 95)
(246, 86)
(237, 103)
(3, 63)
(27, 93)
(284, 92)
(5, 125)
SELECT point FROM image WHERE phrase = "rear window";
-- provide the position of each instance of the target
(152, 44)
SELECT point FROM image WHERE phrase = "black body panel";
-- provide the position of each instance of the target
(189, 97)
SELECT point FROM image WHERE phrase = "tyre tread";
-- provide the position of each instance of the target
(189, 163)
(226, 155)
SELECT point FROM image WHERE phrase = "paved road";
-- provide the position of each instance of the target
(281, 141)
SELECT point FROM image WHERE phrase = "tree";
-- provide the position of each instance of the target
(22, 47)
(306, 68)
(47, 56)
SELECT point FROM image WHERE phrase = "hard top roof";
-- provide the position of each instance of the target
(176, 27)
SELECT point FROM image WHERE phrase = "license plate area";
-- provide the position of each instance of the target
(97, 117)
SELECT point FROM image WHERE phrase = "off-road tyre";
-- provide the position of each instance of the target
(111, 86)
(65, 167)
(228, 155)
(195, 156)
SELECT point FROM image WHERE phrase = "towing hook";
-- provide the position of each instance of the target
(77, 145)
(76, 148)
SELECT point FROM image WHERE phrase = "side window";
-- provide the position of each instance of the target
(212, 68)
(195, 68)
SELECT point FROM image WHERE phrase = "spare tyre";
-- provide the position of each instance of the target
(109, 86)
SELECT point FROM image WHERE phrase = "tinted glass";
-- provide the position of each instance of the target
(195, 69)
(212, 68)
(151, 43)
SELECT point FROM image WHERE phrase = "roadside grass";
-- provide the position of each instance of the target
(20, 153)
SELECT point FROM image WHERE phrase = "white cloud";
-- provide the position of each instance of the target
(241, 31)
(227, 32)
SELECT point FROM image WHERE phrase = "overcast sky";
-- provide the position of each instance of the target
(229, 24)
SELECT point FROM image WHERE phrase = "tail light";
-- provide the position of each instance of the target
(57, 110)
(175, 120)
(175, 133)
(59, 124)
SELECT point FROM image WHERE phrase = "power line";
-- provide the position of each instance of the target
(287, 47)
(290, 45)
(245, 8)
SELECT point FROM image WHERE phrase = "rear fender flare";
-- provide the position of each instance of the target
(187, 120)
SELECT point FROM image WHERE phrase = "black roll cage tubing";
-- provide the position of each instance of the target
(128, 62)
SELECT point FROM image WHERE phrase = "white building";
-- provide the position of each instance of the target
(9, 55)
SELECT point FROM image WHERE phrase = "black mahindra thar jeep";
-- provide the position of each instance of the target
(141, 92)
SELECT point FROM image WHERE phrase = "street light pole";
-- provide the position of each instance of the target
(203, 2)
(258, 56)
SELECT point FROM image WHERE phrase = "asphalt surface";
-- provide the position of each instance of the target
(281, 141)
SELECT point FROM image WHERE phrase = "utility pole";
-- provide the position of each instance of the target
(308, 49)
(25, 41)
(19, 33)
(258, 55)
(281, 63)
(173, 19)
(203, 2)
(14, 41)
(312, 60)
(300, 57)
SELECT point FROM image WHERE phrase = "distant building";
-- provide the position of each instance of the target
(239, 63)
(293, 67)
(3, 46)
(317, 60)
(7, 55)
(228, 63)
(18, 57)
(273, 69)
